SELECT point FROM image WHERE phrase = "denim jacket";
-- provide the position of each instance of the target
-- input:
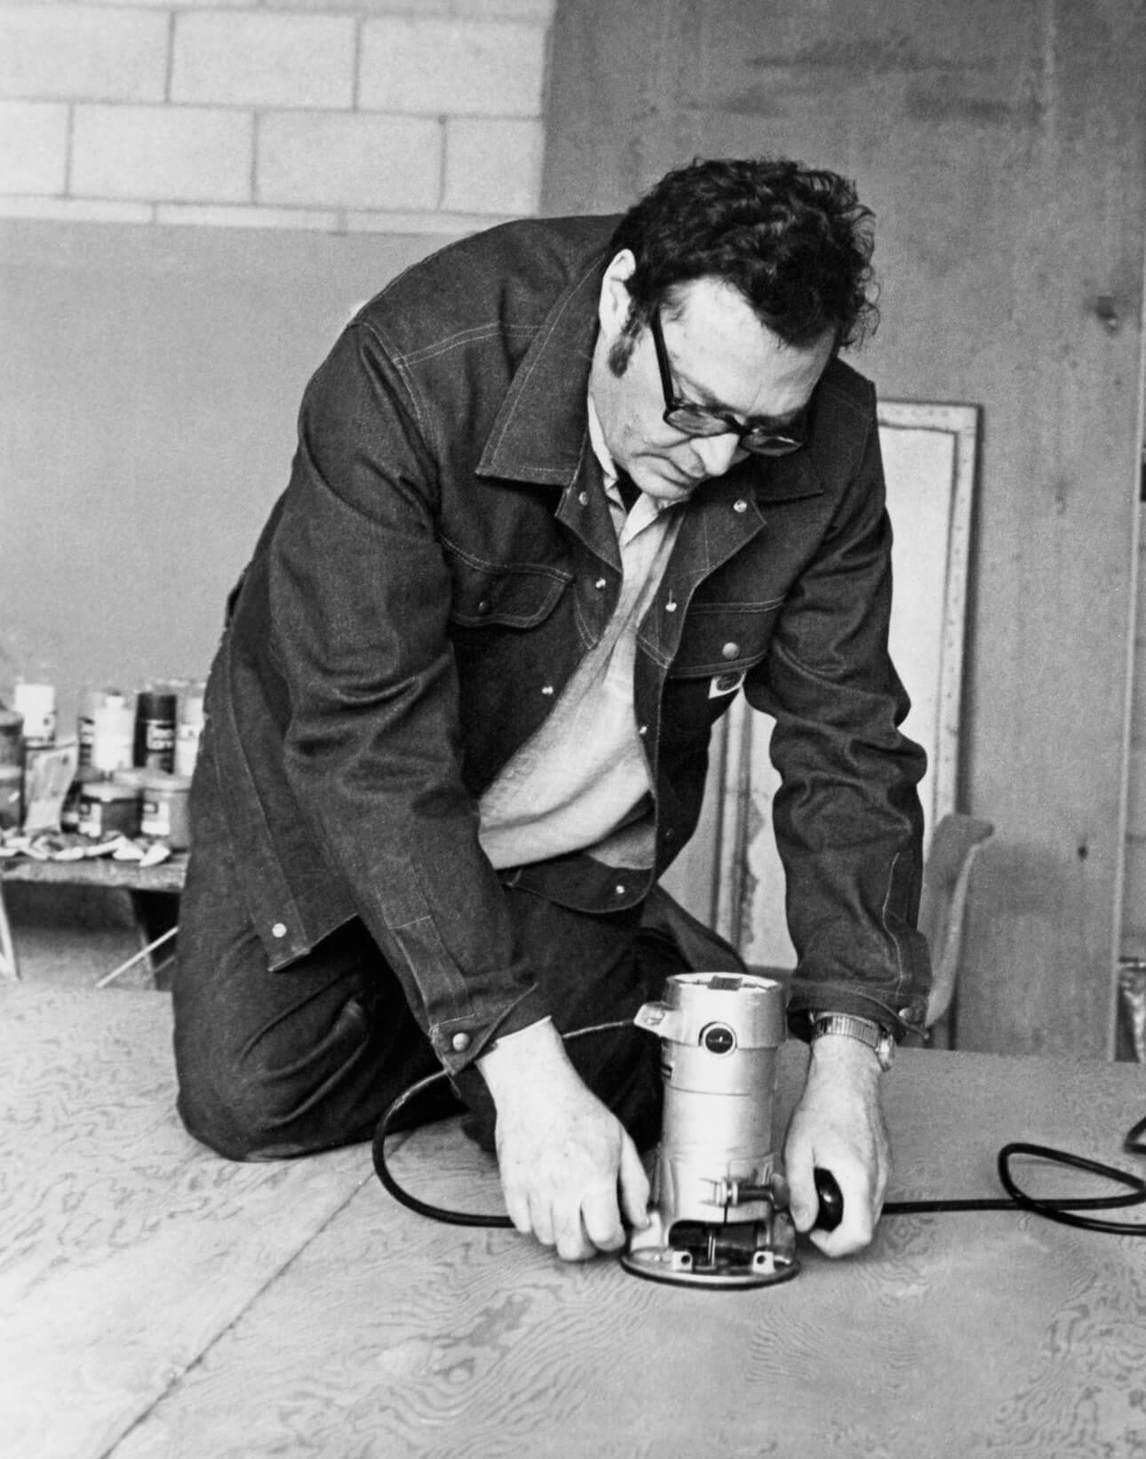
(443, 556)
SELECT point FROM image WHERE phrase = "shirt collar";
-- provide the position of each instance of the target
(646, 509)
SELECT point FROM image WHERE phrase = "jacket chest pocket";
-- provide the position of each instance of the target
(492, 595)
(719, 644)
(721, 639)
(514, 646)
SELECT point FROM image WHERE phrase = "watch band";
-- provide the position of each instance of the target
(865, 1030)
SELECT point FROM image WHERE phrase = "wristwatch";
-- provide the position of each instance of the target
(866, 1030)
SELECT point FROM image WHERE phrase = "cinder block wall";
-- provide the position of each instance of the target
(415, 116)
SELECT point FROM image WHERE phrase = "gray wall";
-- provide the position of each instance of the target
(149, 384)
(1003, 148)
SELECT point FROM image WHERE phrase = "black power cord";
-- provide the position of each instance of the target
(411, 1202)
(386, 1124)
(1054, 1208)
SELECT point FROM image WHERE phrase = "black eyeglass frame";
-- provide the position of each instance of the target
(698, 420)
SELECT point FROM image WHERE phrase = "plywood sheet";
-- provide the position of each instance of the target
(125, 1247)
(954, 1335)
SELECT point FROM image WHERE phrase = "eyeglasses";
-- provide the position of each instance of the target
(699, 420)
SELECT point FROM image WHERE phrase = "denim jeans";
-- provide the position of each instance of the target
(308, 1057)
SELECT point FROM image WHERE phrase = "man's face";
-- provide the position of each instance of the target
(720, 356)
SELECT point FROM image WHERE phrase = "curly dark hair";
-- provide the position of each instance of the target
(795, 242)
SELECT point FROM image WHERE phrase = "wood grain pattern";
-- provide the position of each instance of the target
(960, 1335)
(125, 1248)
(167, 876)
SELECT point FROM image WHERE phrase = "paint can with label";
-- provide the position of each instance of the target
(37, 703)
(113, 732)
(70, 810)
(11, 769)
(189, 729)
(155, 729)
(11, 737)
(107, 808)
(163, 808)
(89, 701)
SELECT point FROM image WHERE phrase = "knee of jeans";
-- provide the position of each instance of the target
(262, 1101)
(249, 1119)
(230, 1115)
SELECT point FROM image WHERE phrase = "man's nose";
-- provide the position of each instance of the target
(717, 453)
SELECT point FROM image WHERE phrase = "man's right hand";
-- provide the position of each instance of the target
(570, 1173)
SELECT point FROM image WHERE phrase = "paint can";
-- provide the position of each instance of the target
(155, 730)
(37, 703)
(11, 769)
(163, 808)
(11, 737)
(70, 810)
(89, 701)
(113, 732)
(107, 808)
(189, 730)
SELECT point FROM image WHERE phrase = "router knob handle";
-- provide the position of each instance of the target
(830, 1198)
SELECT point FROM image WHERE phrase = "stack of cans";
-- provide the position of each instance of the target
(127, 772)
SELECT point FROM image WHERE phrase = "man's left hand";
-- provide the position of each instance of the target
(838, 1125)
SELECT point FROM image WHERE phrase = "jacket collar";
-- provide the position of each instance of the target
(539, 434)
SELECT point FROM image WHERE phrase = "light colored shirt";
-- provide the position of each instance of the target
(581, 782)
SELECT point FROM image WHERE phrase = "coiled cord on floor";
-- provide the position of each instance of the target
(1054, 1208)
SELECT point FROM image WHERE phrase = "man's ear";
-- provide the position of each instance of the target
(615, 303)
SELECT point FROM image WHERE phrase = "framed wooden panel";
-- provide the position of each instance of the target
(730, 875)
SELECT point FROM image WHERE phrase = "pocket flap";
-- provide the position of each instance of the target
(510, 597)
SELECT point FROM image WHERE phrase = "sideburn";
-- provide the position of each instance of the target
(621, 350)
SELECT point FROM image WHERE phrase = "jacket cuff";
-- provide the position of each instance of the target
(899, 1019)
(459, 1041)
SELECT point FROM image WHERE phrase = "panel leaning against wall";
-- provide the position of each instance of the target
(731, 874)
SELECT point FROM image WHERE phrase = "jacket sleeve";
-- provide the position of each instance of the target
(359, 610)
(847, 816)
